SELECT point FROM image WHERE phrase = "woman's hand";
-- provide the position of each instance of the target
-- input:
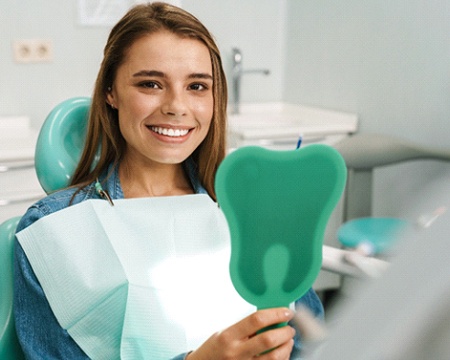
(241, 341)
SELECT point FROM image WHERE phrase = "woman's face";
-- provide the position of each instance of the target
(163, 93)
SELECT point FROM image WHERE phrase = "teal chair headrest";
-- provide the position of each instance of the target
(60, 143)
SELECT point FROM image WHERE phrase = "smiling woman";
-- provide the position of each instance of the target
(163, 63)
(156, 131)
(163, 85)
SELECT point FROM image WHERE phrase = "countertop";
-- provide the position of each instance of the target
(280, 120)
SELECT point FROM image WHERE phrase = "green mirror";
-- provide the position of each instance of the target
(277, 204)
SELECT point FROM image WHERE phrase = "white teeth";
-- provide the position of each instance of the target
(169, 132)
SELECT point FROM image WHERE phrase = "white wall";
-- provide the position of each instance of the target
(33, 89)
(388, 61)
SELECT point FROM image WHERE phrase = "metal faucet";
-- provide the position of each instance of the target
(237, 73)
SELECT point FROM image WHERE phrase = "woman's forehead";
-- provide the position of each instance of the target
(167, 51)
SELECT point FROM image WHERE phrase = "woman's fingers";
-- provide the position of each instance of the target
(260, 320)
(283, 352)
(244, 341)
(277, 340)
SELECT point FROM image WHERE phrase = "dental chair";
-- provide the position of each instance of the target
(9, 346)
(58, 150)
(363, 153)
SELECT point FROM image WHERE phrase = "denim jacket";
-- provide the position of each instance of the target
(38, 330)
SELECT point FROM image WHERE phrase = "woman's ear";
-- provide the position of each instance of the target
(110, 98)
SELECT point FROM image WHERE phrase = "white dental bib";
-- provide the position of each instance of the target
(145, 279)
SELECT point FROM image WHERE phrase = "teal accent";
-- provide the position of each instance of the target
(9, 345)
(98, 187)
(103, 193)
(277, 204)
(61, 142)
(381, 233)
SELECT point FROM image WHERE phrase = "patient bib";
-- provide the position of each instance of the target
(147, 278)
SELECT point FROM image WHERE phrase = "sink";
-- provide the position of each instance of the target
(266, 123)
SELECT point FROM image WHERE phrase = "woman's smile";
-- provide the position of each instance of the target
(170, 134)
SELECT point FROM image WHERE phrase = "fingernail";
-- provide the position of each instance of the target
(289, 313)
(293, 331)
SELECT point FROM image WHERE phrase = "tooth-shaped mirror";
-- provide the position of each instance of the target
(277, 205)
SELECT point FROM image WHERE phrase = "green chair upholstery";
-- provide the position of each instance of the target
(58, 150)
(9, 346)
(60, 143)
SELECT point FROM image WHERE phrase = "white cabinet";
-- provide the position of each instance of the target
(19, 186)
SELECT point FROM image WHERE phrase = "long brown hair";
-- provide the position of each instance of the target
(103, 138)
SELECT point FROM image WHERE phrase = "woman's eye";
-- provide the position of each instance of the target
(197, 87)
(149, 85)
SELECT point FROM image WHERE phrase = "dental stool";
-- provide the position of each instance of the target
(362, 154)
(58, 150)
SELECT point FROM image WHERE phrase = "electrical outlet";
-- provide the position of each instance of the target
(32, 50)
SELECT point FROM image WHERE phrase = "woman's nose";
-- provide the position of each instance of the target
(174, 103)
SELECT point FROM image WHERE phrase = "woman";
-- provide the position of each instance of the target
(158, 115)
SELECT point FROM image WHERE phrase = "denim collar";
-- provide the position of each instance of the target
(112, 184)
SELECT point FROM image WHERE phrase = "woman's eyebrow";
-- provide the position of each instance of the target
(157, 73)
(201, 76)
(150, 73)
